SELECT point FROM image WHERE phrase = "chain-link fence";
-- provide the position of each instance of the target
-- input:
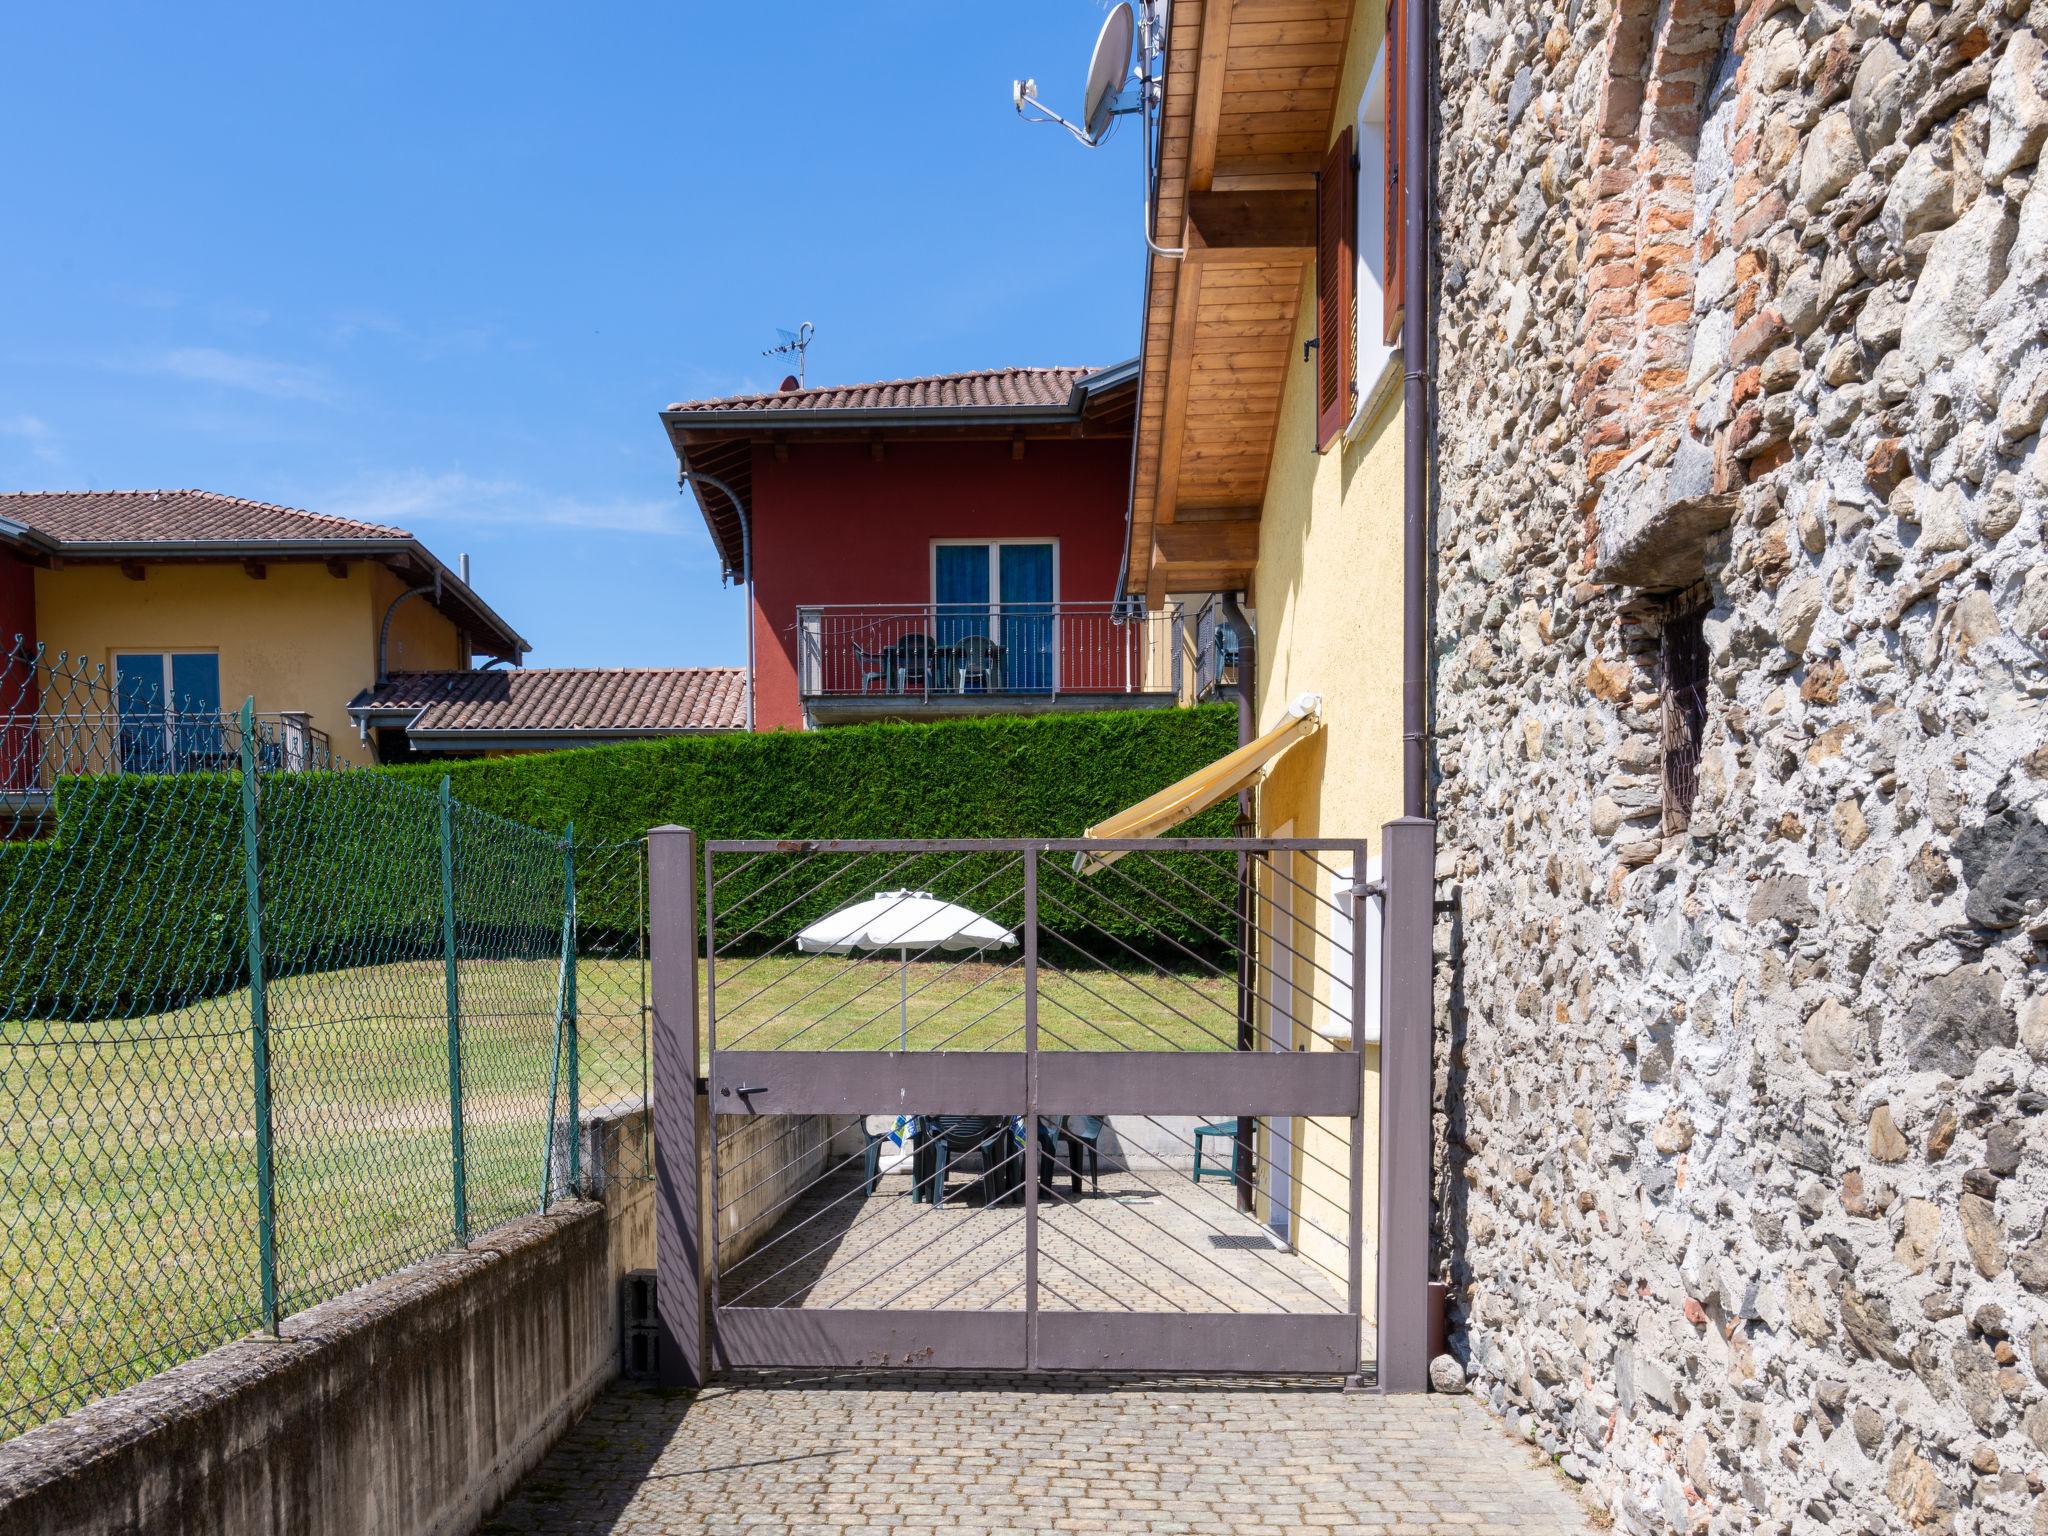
(611, 987)
(268, 1028)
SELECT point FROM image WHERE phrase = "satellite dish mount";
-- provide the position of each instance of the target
(1110, 92)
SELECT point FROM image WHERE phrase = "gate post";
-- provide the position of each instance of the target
(1407, 1071)
(678, 1204)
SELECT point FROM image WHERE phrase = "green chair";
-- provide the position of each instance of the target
(1227, 1169)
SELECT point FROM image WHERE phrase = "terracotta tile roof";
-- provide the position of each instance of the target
(998, 387)
(615, 701)
(137, 517)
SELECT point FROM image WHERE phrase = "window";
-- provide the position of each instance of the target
(1359, 224)
(169, 704)
(1682, 669)
(995, 602)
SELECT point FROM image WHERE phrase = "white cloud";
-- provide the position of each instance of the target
(454, 497)
(235, 370)
(34, 433)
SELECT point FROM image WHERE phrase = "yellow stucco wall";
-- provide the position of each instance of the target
(1327, 596)
(299, 639)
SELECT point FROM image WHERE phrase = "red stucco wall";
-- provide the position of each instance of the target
(833, 525)
(17, 601)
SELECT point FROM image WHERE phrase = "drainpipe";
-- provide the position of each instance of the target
(683, 477)
(1415, 406)
(1245, 1140)
(384, 630)
(1408, 846)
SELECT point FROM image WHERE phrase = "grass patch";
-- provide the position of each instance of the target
(128, 1233)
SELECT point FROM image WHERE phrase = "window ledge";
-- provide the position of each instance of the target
(1374, 398)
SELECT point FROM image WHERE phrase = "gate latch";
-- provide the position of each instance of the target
(742, 1089)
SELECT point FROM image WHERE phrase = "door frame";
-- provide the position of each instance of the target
(995, 583)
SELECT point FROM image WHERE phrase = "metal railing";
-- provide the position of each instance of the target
(940, 650)
(1034, 1104)
(270, 1031)
(39, 746)
(1216, 652)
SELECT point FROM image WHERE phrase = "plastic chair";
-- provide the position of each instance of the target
(1227, 1130)
(914, 658)
(942, 1137)
(874, 666)
(977, 660)
(1082, 1133)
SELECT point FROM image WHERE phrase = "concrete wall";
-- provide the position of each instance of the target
(408, 1407)
(772, 1159)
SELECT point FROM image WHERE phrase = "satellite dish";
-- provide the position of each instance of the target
(1106, 72)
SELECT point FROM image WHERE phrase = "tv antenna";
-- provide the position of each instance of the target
(794, 341)
(1114, 89)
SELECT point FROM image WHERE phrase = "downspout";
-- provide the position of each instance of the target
(384, 630)
(683, 477)
(1416, 379)
(1407, 1179)
(1245, 1140)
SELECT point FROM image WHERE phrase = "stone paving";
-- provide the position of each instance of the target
(891, 1456)
(1149, 1240)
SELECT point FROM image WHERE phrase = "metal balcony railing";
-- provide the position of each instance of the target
(36, 749)
(955, 650)
(1216, 652)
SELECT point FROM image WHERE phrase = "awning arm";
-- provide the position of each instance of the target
(1185, 798)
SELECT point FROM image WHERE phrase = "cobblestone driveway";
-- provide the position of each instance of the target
(895, 1457)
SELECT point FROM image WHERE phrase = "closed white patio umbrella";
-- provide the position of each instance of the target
(903, 921)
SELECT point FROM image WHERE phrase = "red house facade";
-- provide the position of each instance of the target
(936, 546)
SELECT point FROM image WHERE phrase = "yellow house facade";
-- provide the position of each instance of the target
(215, 600)
(1270, 461)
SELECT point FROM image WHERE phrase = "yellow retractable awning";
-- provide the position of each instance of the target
(1158, 814)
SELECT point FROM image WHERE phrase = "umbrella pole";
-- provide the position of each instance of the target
(903, 1014)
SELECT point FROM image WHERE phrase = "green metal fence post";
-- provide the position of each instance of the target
(569, 1004)
(565, 1009)
(259, 1026)
(461, 1162)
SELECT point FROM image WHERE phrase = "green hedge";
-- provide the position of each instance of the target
(133, 903)
(998, 777)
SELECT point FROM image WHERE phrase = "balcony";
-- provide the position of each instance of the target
(38, 748)
(923, 661)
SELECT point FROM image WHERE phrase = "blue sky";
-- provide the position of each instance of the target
(440, 265)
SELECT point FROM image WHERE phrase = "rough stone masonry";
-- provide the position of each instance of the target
(1744, 1133)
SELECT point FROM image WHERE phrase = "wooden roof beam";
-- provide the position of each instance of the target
(1206, 124)
(1250, 227)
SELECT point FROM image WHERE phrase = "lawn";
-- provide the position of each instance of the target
(127, 1157)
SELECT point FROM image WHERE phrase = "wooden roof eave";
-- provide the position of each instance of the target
(1250, 91)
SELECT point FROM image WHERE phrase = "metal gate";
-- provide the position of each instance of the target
(1057, 1105)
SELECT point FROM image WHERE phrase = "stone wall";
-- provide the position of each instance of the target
(1744, 1159)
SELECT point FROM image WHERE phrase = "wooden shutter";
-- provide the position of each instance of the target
(1336, 288)
(1394, 224)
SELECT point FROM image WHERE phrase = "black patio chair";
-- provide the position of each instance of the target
(941, 1138)
(977, 664)
(1083, 1134)
(915, 655)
